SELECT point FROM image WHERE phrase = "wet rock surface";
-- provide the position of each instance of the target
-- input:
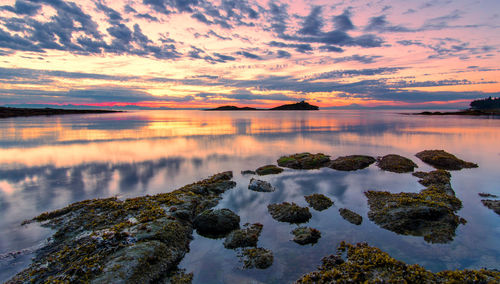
(440, 178)
(260, 186)
(304, 161)
(351, 216)
(318, 201)
(306, 235)
(429, 213)
(489, 195)
(138, 240)
(492, 204)
(443, 160)
(259, 258)
(289, 212)
(352, 163)
(268, 170)
(396, 163)
(247, 237)
(366, 264)
(216, 223)
(248, 172)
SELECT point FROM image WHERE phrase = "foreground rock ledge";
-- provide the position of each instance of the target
(138, 240)
(443, 160)
(370, 264)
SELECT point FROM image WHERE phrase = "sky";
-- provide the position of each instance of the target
(201, 53)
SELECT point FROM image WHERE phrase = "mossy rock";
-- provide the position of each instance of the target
(352, 163)
(260, 186)
(289, 212)
(268, 170)
(492, 204)
(439, 178)
(216, 223)
(366, 264)
(259, 258)
(443, 160)
(306, 235)
(318, 201)
(247, 237)
(304, 161)
(396, 163)
(351, 216)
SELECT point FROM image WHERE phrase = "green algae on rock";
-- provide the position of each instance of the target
(351, 216)
(396, 163)
(306, 235)
(318, 201)
(138, 240)
(268, 170)
(260, 258)
(443, 160)
(366, 264)
(304, 161)
(216, 223)
(492, 204)
(352, 162)
(289, 212)
(247, 237)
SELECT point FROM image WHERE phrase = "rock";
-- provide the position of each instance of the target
(216, 223)
(304, 161)
(247, 237)
(366, 264)
(257, 258)
(247, 172)
(318, 201)
(440, 178)
(352, 163)
(289, 212)
(137, 240)
(396, 163)
(268, 170)
(306, 235)
(482, 194)
(443, 160)
(351, 216)
(492, 204)
(260, 186)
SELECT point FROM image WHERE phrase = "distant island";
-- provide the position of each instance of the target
(488, 106)
(296, 106)
(6, 112)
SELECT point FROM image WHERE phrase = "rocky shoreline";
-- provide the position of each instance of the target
(6, 112)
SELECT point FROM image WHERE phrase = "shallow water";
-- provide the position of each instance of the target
(49, 162)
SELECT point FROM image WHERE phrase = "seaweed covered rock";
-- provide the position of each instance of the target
(304, 161)
(396, 163)
(289, 212)
(216, 223)
(306, 235)
(247, 237)
(268, 170)
(352, 163)
(260, 186)
(318, 201)
(260, 258)
(488, 195)
(492, 204)
(248, 172)
(138, 240)
(440, 178)
(366, 264)
(430, 213)
(351, 216)
(443, 160)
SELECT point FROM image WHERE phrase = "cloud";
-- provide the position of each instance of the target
(283, 54)
(23, 8)
(380, 24)
(300, 47)
(354, 73)
(343, 22)
(249, 55)
(313, 22)
(331, 48)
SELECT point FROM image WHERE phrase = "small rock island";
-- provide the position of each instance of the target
(6, 112)
(296, 106)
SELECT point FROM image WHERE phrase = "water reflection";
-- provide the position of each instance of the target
(49, 162)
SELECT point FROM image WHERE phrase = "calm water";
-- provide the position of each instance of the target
(49, 162)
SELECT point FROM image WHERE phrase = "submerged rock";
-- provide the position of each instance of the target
(396, 163)
(247, 172)
(492, 204)
(247, 237)
(289, 212)
(260, 186)
(352, 163)
(306, 235)
(482, 194)
(351, 216)
(268, 170)
(441, 159)
(216, 223)
(138, 240)
(304, 161)
(260, 258)
(366, 264)
(318, 201)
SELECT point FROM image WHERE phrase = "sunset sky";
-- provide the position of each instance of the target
(200, 53)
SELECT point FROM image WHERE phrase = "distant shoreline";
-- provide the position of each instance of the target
(467, 112)
(7, 112)
(297, 106)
